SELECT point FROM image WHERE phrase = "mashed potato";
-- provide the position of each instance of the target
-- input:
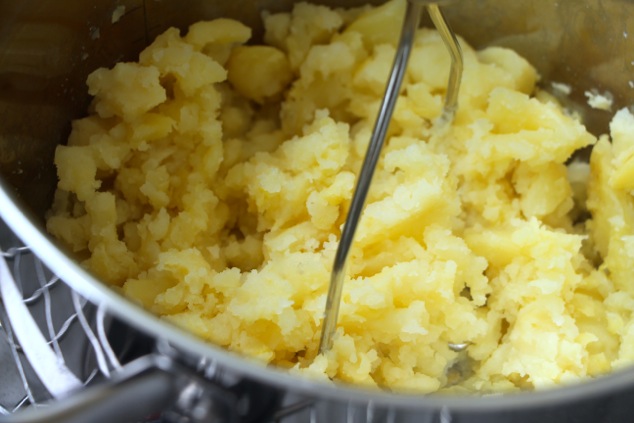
(211, 179)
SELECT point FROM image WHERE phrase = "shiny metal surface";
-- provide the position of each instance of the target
(47, 48)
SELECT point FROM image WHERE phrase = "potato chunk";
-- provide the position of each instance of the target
(259, 73)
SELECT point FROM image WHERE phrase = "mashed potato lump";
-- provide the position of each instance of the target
(211, 179)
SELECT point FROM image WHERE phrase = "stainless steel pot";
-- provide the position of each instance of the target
(48, 47)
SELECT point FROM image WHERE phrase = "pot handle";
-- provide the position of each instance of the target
(148, 385)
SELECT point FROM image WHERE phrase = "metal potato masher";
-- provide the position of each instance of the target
(411, 21)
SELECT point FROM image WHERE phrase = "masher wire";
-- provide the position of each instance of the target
(377, 140)
(457, 63)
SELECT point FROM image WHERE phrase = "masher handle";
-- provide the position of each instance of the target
(377, 140)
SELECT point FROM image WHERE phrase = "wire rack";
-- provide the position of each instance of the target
(81, 342)
(73, 330)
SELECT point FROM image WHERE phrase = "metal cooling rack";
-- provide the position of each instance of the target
(70, 350)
